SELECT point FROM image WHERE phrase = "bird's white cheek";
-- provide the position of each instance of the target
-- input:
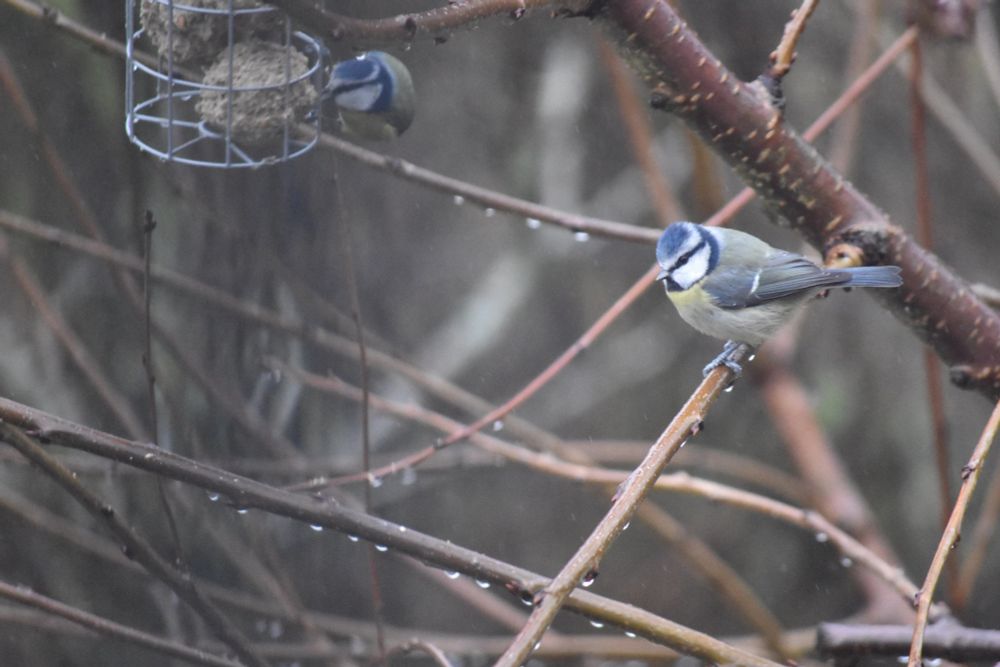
(359, 99)
(692, 272)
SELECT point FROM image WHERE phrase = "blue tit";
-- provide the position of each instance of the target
(373, 94)
(731, 285)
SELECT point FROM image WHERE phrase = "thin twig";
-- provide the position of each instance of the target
(850, 548)
(716, 460)
(272, 601)
(345, 234)
(149, 224)
(949, 641)
(970, 476)
(635, 118)
(136, 547)
(985, 528)
(988, 48)
(989, 294)
(851, 95)
(108, 628)
(717, 572)
(606, 319)
(833, 493)
(501, 411)
(585, 562)
(264, 317)
(87, 219)
(861, 85)
(414, 645)
(81, 357)
(784, 55)
(977, 147)
(466, 192)
(439, 22)
(50, 16)
(313, 511)
(698, 554)
(707, 192)
(845, 135)
(925, 236)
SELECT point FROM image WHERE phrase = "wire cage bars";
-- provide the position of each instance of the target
(229, 84)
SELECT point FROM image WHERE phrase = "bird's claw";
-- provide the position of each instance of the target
(734, 366)
(726, 359)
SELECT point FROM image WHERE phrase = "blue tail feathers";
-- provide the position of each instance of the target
(874, 276)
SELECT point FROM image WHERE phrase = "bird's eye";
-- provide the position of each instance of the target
(683, 259)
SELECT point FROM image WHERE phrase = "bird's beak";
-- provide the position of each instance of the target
(662, 275)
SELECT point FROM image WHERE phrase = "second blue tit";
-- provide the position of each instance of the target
(373, 94)
(731, 285)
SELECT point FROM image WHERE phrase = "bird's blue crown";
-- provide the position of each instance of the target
(685, 237)
(366, 70)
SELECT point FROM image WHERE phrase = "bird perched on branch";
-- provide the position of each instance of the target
(731, 285)
(373, 95)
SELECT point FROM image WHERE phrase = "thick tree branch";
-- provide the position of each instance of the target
(437, 23)
(740, 121)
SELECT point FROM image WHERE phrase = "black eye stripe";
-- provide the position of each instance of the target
(686, 257)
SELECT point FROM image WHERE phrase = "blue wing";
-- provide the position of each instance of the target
(787, 274)
(784, 274)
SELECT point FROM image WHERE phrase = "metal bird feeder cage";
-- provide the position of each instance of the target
(223, 83)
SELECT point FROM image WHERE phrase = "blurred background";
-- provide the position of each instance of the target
(482, 298)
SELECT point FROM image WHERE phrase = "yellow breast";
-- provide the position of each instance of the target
(691, 297)
(749, 325)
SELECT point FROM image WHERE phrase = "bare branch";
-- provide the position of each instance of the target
(466, 192)
(970, 476)
(584, 564)
(833, 493)
(577, 466)
(573, 468)
(415, 645)
(635, 118)
(925, 236)
(247, 493)
(946, 640)
(986, 524)
(436, 23)
(111, 629)
(784, 55)
(78, 352)
(137, 548)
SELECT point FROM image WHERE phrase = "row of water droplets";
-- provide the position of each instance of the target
(532, 223)
(274, 629)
